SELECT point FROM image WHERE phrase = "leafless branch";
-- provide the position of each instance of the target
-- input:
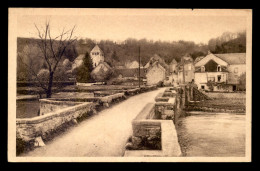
(31, 70)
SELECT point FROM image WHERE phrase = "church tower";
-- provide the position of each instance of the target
(97, 55)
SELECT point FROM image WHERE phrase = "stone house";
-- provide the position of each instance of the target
(155, 73)
(220, 72)
(155, 58)
(173, 66)
(101, 72)
(172, 76)
(188, 64)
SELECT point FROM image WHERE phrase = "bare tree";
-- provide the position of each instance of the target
(52, 51)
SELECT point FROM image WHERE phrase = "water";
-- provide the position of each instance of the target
(27, 108)
(212, 135)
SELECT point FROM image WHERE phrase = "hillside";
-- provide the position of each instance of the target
(128, 50)
(229, 43)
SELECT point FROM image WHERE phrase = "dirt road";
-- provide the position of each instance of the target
(102, 135)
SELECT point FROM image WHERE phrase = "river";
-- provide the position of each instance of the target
(212, 135)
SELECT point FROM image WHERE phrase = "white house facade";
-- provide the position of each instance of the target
(220, 72)
(155, 74)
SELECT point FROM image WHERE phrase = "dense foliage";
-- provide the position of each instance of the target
(83, 72)
(124, 52)
(228, 43)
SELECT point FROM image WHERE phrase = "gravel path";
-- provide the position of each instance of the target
(102, 135)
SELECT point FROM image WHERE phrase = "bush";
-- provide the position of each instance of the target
(160, 84)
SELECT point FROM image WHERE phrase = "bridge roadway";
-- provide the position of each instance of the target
(102, 135)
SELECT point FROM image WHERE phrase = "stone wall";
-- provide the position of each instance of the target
(152, 134)
(151, 130)
(30, 128)
(47, 106)
(165, 105)
(165, 110)
(146, 135)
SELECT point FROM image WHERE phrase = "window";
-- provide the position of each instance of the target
(93, 53)
(219, 68)
(202, 87)
(219, 78)
(202, 69)
(236, 70)
(97, 53)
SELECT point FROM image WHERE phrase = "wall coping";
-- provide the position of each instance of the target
(53, 101)
(54, 114)
(145, 112)
(171, 101)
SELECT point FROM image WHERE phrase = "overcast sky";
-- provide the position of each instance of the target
(120, 27)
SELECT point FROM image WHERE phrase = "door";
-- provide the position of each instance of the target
(234, 88)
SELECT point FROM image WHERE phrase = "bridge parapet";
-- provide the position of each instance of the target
(30, 128)
(154, 132)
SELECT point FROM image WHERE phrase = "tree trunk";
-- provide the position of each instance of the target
(49, 90)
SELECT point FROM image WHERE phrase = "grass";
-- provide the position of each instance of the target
(229, 101)
(230, 104)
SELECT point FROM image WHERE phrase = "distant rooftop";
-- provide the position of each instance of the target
(233, 58)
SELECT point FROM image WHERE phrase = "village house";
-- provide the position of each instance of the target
(156, 70)
(101, 72)
(188, 64)
(96, 55)
(155, 58)
(172, 78)
(220, 72)
(155, 73)
(133, 64)
(173, 66)
(129, 73)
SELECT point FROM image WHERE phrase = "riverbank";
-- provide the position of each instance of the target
(220, 103)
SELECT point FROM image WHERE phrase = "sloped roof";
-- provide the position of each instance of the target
(155, 58)
(104, 63)
(133, 64)
(80, 57)
(96, 48)
(198, 59)
(187, 58)
(129, 72)
(233, 58)
(173, 61)
(156, 63)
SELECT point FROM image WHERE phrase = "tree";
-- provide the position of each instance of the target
(83, 72)
(242, 81)
(28, 63)
(114, 56)
(51, 51)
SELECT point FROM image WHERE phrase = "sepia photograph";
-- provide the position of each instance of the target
(129, 85)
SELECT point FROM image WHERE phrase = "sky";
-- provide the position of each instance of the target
(100, 26)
